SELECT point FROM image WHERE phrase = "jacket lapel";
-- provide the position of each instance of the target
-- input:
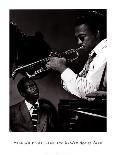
(26, 116)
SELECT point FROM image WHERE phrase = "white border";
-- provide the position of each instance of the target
(7, 138)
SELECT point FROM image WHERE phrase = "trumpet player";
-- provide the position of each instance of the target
(90, 33)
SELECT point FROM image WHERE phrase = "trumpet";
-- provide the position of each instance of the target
(37, 68)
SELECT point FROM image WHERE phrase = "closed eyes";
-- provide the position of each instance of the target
(80, 37)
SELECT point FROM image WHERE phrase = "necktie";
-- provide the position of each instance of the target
(85, 70)
(35, 117)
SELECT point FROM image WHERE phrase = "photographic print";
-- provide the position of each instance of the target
(58, 70)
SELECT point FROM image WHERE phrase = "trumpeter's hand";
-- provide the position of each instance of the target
(58, 64)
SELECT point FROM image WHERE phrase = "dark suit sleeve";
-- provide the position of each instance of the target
(11, 118)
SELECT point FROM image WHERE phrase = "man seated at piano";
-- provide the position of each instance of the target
(32, 114)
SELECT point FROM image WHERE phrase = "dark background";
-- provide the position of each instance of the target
(57, 27)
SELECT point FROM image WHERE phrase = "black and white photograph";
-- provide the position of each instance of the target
(57, 77)
(57, 70)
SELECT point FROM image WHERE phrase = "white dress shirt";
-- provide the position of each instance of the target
(30, 107)
(80, 86)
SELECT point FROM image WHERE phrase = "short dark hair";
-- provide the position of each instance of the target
(95, 19)
(21, 84)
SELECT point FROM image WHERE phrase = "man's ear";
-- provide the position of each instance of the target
(98, 34)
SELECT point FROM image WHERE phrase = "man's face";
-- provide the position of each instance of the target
(86, 40)
(31, 90)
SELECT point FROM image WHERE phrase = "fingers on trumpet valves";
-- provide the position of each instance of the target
(48, 66)
(63, 59)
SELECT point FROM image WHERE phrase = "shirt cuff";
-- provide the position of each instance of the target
(67, 74)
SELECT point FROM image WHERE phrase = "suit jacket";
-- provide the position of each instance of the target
(20, 119)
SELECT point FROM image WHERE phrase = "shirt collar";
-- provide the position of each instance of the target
(29, 105)
(99, 47)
